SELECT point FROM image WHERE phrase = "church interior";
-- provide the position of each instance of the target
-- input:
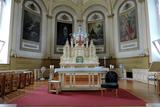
(73, 53)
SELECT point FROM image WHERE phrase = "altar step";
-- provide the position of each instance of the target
(80, 87)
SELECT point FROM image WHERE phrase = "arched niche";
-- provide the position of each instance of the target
(32, 47)
(95, 15)
(31, 27)
(128, 26)
(95, 28)
(62, 16)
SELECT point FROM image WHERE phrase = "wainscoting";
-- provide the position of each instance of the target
(24, 63)
(30, 63)
(140, 62)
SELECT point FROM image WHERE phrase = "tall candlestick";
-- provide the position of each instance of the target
(51, 72)
(104, 61)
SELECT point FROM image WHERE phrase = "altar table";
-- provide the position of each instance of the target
(92, 83)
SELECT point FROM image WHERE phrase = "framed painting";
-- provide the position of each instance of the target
(64, 28)
(128, 29)
(31, 29)
(64, 31)
(96, 30)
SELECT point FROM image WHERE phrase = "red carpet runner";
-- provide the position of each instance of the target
(84, 98)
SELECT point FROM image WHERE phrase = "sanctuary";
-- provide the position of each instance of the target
(80, 62)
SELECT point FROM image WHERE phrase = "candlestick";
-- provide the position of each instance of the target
(51, 72)
(104, 61)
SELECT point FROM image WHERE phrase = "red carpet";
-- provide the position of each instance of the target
(84, 98)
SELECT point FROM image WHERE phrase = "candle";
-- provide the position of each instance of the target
(51, 66)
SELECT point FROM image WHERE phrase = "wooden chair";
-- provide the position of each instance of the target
(27, 78)
(54, 86)
(22, 80)
(111, 82)
(32, 77)
(14, 81)
(8, 83)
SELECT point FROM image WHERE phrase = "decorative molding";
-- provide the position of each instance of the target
(49, 16)
(110, 15)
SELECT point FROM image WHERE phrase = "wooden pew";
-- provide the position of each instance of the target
(8, 83)
(2, 83)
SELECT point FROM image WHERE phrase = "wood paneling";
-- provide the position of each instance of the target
(4, 66)
(134, 62)
(29, 63)
(25, 63)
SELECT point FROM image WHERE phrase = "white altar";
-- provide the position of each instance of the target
(93, 76)
(79, 53)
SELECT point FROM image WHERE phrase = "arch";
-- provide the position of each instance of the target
(66, 8)
(40, 3)
(96, 7)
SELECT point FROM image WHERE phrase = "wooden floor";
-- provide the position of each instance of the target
(138, 89)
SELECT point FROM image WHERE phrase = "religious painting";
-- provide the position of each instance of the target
(31, 30)
(128, 27)
(64, 31)
(64, 28)
(31, 27)
(128, 32)
(96, 31)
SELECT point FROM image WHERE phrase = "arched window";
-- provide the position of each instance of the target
(128, 27)
(31, 26)
(95, 27)
(64, 28)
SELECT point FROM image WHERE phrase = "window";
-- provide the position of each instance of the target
(5, 14)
